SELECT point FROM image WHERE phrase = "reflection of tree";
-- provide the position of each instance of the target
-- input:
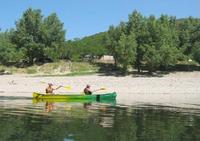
(124, 126)
(106, 121)
(128, 125)
(159, 124)
(154, 124)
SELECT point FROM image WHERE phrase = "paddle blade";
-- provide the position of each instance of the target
(102, 88)
(67, 87)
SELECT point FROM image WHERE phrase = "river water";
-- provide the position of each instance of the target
(21, 119)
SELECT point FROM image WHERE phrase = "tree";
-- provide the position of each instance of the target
(196, 52)
(151, 58)
(137, 25)
(111, 42)
(196, 44)
(39, 39)
(167, 43)
(27, 35)
(126, 50)
(8, 52)
(187, 28)
(53, 37)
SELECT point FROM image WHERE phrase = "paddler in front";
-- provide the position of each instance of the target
(50, 89)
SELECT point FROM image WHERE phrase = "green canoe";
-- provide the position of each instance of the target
(75, 97)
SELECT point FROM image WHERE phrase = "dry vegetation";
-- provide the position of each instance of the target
(56, 68)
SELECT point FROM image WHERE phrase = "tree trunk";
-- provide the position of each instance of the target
(138, 58)
(115, 61)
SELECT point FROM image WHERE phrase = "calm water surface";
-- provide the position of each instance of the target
(23, 120)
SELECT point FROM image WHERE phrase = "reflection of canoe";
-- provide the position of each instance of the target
(74, 97)
(106, 101)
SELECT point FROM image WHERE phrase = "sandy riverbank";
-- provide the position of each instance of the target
(175, 88)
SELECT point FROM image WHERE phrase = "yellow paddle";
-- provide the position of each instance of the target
(103, 88)
(67, 87)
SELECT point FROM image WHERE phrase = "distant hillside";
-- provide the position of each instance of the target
(93, 45)
(94, 41)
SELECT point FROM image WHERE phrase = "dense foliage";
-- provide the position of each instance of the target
(37, 39)
(9, 54)
(159, 42)
(141, 42)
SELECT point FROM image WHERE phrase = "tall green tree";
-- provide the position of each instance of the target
(196, 52)
(53, 37)
(136, 24)
(126, 50)
(27, 35)
(196, 44)
(39, 39)
(112, 41)
(168, 41)
(151, 57)
(186, 28)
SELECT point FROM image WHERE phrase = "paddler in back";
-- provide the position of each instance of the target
(50, 89)
(87, 90)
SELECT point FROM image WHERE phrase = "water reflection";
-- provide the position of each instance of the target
(49, 106)
(68, 140)
(21, 120)
(87, 105)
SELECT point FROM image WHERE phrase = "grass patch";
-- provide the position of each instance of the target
(54, 68)
(69, 74)
(80, 73)
(12, 69)
(83, 67)
(31, 70)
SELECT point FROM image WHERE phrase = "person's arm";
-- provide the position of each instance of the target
(57, 87)
(95, 90)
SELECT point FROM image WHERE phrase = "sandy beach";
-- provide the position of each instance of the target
(174, 89)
